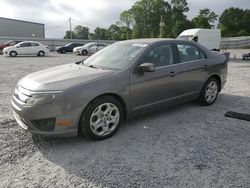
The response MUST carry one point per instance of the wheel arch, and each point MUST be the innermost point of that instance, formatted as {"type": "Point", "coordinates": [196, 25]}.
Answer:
{"type": "Point", "coordinates": [86, 50]}
{"type": "Point", "coordinates": [117, 97]}
{"type": "Point", "coordinates": [40, 52]}
{"type": "Point", "coordinates": [13, 51]}
{"type": "Point", "coordinates": [217, 77]}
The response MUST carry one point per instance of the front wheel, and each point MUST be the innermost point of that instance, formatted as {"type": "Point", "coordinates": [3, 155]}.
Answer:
{"type": "Point", "coordinates": [84, 52]}
{"type": "Point", "coordinates": [101, 118]}
{"type": "Point", "coordinates": [209, 92]}
{"type": "Point", "coordinates": [13, 54]}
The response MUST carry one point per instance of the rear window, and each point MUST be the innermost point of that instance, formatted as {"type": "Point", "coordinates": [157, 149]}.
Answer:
{"type": "Point", "coordinates": [188, 52]}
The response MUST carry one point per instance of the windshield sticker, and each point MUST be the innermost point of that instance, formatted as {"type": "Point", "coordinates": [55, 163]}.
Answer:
{"type": "Point", "coordinates": [140, 45]}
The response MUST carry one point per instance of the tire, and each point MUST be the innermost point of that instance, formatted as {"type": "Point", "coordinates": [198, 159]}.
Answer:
{"type": "Point", "coordinates": [13, 54]}
{"type": "Point", "coordinates": [209, 92]}
{"type": "Point", "coordinates": [97, 117]}
{"type": "Point", "coordinates": [41, 53]}
{"type": "Point", "coordinates": [84, 52]}
{"type": "Point", "coordinates": [63, 52]}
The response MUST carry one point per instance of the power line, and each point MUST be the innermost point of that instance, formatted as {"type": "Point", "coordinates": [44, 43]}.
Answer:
{"type": "Point", "coordinates": [84, 22]}
{"type": "Point", "coordinates": [55, 27]}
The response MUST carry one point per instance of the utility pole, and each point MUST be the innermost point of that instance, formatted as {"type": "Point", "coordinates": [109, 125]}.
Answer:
{"type": "Point", "coordinates": [161, 27]}
{"type": "Point", "coordinates": [70, 28]}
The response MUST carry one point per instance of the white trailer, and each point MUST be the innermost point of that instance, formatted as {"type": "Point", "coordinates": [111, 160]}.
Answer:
{"type": "Point", "coordinates": [210, 38]}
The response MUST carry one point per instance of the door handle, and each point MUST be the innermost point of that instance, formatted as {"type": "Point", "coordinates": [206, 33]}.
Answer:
{"type": "Point", "coordinates": [205, 67]}
{"type": "Point", "coordinates": [172, 74]}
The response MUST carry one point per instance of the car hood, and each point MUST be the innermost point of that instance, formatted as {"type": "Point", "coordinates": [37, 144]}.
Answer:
{"type": "Point", "coordinates": [61, 77]}
{"type": "Point", "coordinates": [9, 48]}
{"type": "Point", "coordinates": [3, 45]}
{"type": "Point", "coordinates": [78, 48]}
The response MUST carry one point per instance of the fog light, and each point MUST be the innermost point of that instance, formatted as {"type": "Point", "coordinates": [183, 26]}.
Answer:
{"type": "Point", "coordinates": [44, 124]}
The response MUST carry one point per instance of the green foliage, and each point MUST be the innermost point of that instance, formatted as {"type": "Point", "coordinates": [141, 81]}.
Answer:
{"type": "Point", "coordinates": [180, 5]}
{"type": "Point", "coordinates": [159, 18]}
{"type": "Point", "coordinates": [81, 32]}
{"type": "Point", "coordinates": [205, 19]}
{"type": "Point", "coordinates": [67, 35]}
{"type": "Point", "coordinates": [235, 22]}
{"type": "Point", "coordinates": [101, 34]}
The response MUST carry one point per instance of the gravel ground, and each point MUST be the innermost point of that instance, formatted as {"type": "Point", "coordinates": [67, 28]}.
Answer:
{"type": "Point", "coordinates": [185, 146]}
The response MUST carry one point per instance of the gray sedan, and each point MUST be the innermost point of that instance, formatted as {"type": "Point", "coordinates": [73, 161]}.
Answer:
{"type": "Point", "coordinates": [93, 96]}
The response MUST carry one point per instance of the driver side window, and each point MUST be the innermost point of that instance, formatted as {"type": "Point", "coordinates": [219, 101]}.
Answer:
{"type": "Point", "coordinates": [25, 45]}
{"type": "Point", "coordinates": [160, 56]}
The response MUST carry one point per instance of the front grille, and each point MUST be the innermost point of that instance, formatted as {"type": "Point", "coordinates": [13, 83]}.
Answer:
{"type": "Point", "coordinates": [22, 94]}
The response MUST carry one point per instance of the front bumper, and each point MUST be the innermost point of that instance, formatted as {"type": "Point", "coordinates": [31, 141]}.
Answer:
{"type": "Point", "coordinates": [77, 52]}
{"type": "Point", "coordinates": [25, 116]}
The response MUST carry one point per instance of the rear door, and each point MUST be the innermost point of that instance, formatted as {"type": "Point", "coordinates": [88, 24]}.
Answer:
{"type": "Point", "coordinates": [35, 48]}
{"type": "Point", "coordinates": [190, 69]}
{"type": "Point", "coordinates": [100, 46]}
{"type": "Point", "coordinates": [93, 48]}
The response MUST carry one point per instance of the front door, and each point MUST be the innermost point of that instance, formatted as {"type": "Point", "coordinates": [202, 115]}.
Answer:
{"type": "Point", "coordinates": [24, 48]}
{"type": "Point", "coordinates": [152, 88]}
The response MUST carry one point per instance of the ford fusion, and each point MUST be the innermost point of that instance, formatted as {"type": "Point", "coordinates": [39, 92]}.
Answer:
{"type": "Point", "coordinates": [93, 96]}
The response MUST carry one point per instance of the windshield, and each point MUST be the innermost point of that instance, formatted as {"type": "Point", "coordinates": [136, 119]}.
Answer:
{"type": "Point", "coordinates": [185, 37]}
{"type": "Point", "coordinates": [116, 56]}
{"type": "Point", "coordinates": [68, 44]}
{"type": "Point", "coordinates": [89, 44]}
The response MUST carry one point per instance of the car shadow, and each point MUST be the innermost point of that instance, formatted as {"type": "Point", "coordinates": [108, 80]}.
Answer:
{"type": "Point", "coordinates": [158, 147]}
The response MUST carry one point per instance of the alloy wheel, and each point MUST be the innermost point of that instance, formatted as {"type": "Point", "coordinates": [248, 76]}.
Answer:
{"type": "Point", "coordinates": [211, 92]}
{"type": "Point", "coordinates": [104, 119]}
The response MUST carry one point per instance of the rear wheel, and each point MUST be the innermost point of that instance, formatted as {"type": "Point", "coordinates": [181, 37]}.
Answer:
{"type": "Point", "coordinates": [209, 92]}
{"type": "Point", "coordinates": [13, 54]}
{"type": "Point", "coordinates": [41, 53]}
{"type": "Point", "coordinates": [84, 52]}
{"type": "Point", "coordinates": [101, 118]}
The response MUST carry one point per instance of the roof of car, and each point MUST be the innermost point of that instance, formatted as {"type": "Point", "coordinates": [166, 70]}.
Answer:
{"type": "Point", "coordinates": [153, 40]}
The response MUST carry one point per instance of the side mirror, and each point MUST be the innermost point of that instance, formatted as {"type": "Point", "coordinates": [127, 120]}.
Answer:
{"type": "Point", "coordinates": [146, 67]}
{"type": "Point", "coordinates": [18, 46]}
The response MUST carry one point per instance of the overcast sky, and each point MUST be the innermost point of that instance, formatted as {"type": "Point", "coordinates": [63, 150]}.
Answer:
{"type": "Point", "coordinates": [91, 13]}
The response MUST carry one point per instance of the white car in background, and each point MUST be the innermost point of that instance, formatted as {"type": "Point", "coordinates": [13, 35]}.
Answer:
{"type": "Point", "coordinates": [89, 48]}
{"type": "Point", "coordinates": [26, 48]}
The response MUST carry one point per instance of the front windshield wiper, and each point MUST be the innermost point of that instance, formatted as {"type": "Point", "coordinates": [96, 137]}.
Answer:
{"type": "Point", "coordinates": [92, 66]}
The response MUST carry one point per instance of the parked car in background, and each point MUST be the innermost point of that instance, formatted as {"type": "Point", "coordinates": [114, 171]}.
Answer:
{"type": "Point", "coordinates": [26, 48]}
{"type": "Point", "coordinates": [68, 47]}
{"type": "Point", "coordinates": [210, 38]}
{"type": "Point", "coordinates": [245, 56]}
{"type": "Point", "coordinates": [9, 43]}
{"type": "Point", "coordinates": [91, 97]}
{"type": "Point", "coordinates": [89, 48]}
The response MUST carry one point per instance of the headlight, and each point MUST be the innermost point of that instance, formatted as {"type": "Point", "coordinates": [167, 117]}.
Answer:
{"type": "Point", "coordinates": [41, 99]}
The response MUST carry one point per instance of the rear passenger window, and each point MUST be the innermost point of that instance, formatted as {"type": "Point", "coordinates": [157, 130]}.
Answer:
{"type": "Point", "coordinates": [34, 44]}
{"type": "Point", "coordinates": [160, 56]}
{"type": "Point", "coordinates": [189, 52]}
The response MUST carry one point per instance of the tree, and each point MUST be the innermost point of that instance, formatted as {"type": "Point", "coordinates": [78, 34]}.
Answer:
{"type": "Point", "coordinates": [205, 19]}
{"type": "Point", "coordinates": [144, 17]}
{"type": "Point", "coordinates": [68, 36]}
{"type": "Point", "coordinates": [180, 5]}
{"type": "Point", "coordinates": [126, 19]}
{"type": "Point", "coordinates": [81, 32]}
{"type": "Point", "coordinates": [101, 34]}
{"type": "Point", "coordinates": [235, 22]}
